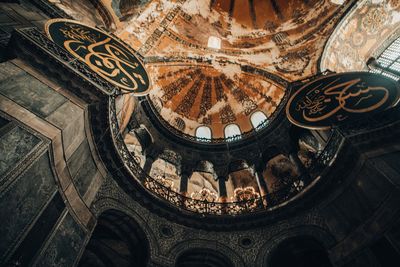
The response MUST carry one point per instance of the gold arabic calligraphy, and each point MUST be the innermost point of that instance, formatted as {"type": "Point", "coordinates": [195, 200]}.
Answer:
{"type": "Point", "coordinates": [106, 57]}
{"type": "Point", "coordinates": [349, 96]}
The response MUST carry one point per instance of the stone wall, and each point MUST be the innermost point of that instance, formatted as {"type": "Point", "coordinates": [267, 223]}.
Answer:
{"type": "Point", "coordinates": [48, 173]}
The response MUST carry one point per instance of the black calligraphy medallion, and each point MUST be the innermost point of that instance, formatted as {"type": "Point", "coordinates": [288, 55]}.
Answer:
{"type": "Point", "coordinates": [332, 99]}
{"type": "Point", "coordinates": [104, 54]}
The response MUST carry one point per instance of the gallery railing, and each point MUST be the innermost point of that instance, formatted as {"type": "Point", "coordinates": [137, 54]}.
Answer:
{"type": "Point", "coordinates": [290, 189]}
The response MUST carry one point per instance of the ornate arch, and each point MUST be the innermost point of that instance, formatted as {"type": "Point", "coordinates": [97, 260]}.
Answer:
{"type": "Point", "coordinates": [102, 205]}
{"type": "Point", "coordinates": [316, 232]}
{"type": "Point", "coordinates": [188, 245]}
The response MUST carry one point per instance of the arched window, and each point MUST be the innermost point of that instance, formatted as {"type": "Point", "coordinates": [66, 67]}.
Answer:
{"type": "Point", "coordinates": [203, 133]}
{"type": "Point", "coordinates": [388, 63]}
{"type": "Point", "coordinates": [337, 2]}
{"type": "Point", "coordinates": [214, 42]}
{"type": "Point", "coordinates": [232, 132]}
{"type": "Point", "coordinates": [258, 119]}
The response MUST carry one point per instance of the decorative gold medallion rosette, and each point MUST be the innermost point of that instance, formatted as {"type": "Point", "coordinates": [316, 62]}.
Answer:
{"type": "Point", "coordinates": [110, 58]}
{"type": "Point", "coordinates": [332, 99]}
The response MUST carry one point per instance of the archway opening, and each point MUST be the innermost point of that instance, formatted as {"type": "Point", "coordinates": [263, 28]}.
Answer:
{"type": "Point", "coordinates": [202, 258]}
{"type": "Point", "coordinates": [300, 252]}
{"type": "Point", "coordinates": [117, 240]}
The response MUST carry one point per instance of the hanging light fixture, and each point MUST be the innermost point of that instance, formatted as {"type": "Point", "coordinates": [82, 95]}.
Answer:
{"type": "Point", "coordinates": [244, 194]}
{"type": "Point", "coordinates": [204, 194]}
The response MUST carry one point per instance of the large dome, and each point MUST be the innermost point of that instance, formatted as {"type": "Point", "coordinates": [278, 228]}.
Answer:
{"type": "Point", "coordinates": [101, 166]}
{"type": "Point", "coordinates": [211, 137]}
{"type": "Point", "coordinates": [215, 63]}
{"type": "Point", "coordinates": [206, 57]}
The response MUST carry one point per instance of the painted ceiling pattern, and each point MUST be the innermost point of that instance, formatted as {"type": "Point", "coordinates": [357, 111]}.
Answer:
{"type": "Point", "coordinates": [194, 84]}
{"type": "Point", "coordinates": [204, 95]}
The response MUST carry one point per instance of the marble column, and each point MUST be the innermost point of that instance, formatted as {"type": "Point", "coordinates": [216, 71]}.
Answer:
{"type": "Point", "coordinates": [183, 187]}
{"type": "Point", "coordinates": [147, 165]}
{"type": "Point", "coordinates": [262, 186]}
{"type": "Point", "coordinates": [300, 167]}
{"type": "Point", "coordinates": [222, 187]}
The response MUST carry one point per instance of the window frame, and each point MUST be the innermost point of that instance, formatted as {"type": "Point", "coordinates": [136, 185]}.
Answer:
{"type": "Point", "coordinates": [203, 139]}
{"type": "Point", "coordinates": [235, 137]}
{"type": "Point", "coordinates": [261, 124]}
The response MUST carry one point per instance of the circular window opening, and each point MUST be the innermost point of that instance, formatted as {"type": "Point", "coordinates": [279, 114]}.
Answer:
{"type": "Point", "coordinates": [246, 242]}
{"type": "Point", "coordinates": [166, 231]}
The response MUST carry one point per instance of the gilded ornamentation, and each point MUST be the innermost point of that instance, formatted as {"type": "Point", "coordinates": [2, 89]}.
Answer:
{"type": "Point", "coordinates": [166, 182]}
{"type": "Point", "coordinates": [207, 120]}
{"type": "Point", "coordinates": [294, 62]}
{"type": "Point", "coordinates": [247, 195]}
{"type": "Point", "coordinates": [346, 50]}
{"type": "Point", "coordinates": [334, 98]}
{"type": "Point", "coordinates": [206, 98]}
{"type": "Point", "coordinates": [187, 102]}
{"type": "Point", "coordinates": [358, 39]}
{"type": "Point", "coordinates": [175, 87]}
{"type": "Point", "coordinates": [248, 105]}
{"type": "Point", "coordinates": [103, 53]}
{"type": "Point", "coordinates": [395, 3]}
{"type": "Point", "coordinates": [219, 89]}
{"type": "Point", "coordinates": [180, 124]}
{"type": "Point", "coordinates": [227, 115]}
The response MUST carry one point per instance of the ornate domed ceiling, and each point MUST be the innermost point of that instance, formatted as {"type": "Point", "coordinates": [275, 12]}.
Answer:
{"type": "Point", "coordinates": [215, 62]}
{"type": "Point", "coordinates": [191, 95]}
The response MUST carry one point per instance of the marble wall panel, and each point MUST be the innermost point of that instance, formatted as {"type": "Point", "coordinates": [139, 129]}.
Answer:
{"type": "Point", "coordinates": [85, 176]}
{"type": "Point", "coordinates": [3, 122]}
{"type": "Point", "coordinates": [23, 200]}
{"type": "Point", "coordinates": [82, 167]}
{"type": "Point", "coordinates": [8, 69]}
{"type": "Point", "coordinates": [77, 159]}
{"type": "Point", "coordinates": [28, 92]}
{"type": "Point", "coordinates": [33, 241]}
{"type": "Point", "coordinates": [392, 160]}
{"type": "Point", "coordinates": [64, 246]}
{"type": "Point", "coordinates": [70, 118]}
{"type": "Point", "coordinates": [14, 146]}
